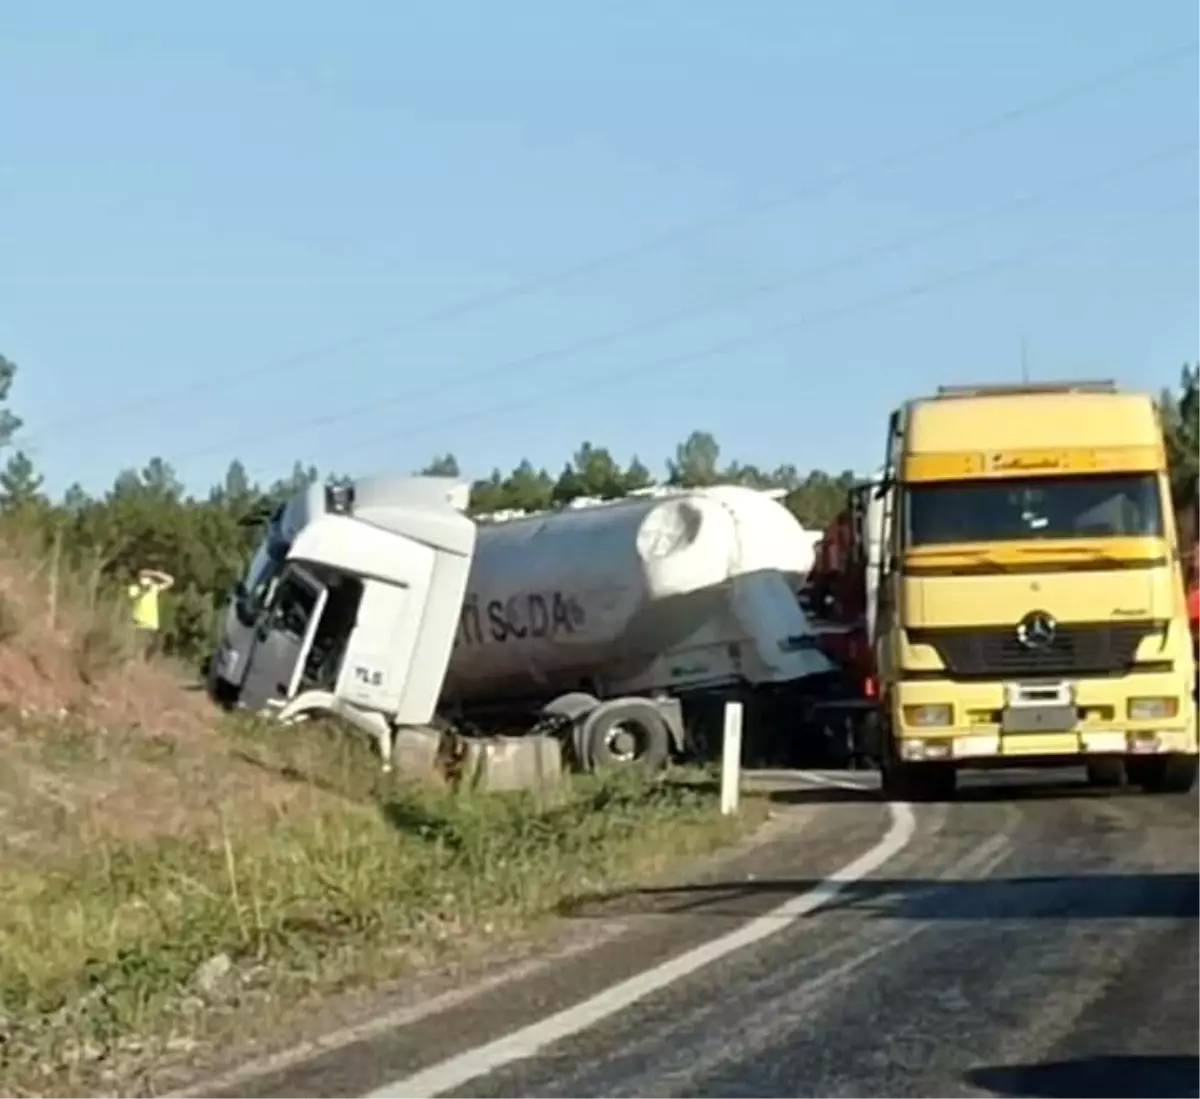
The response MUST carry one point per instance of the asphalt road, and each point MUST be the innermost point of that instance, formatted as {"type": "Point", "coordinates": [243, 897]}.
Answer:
{"type": "Point", "coordinates": [1033, 938]}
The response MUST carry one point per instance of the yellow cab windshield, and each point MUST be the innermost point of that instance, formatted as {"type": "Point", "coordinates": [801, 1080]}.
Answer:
{"type": "Point", "coordinates": [1031, 510]}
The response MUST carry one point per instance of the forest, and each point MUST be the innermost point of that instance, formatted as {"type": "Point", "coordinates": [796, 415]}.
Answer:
{"type": "Point", "coordinates": [146, 519]}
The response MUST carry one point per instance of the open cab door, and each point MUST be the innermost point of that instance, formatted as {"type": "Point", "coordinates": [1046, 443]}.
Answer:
{"type": "Point", "coordinates": [283, 639]}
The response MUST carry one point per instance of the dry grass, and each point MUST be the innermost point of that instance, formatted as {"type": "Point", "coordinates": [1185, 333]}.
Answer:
{"type": "Point", "coordinates": [99, 743]}
{"type": "Point", "coordinates": [66, 648]}
{"type": "Point", "coordinates": [170, 876]}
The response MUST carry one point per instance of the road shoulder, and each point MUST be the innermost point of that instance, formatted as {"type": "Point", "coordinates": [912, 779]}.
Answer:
{"type": "Point", "coordinates": [350, 1046]}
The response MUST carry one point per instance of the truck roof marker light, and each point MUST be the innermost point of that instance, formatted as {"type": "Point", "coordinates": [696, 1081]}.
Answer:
{"type": "Point", "coordinates": [339, 499]}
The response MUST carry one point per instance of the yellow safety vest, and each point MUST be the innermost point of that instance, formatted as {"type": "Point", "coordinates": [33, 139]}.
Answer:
{"type": "Point", "coordinates": [145, 606]}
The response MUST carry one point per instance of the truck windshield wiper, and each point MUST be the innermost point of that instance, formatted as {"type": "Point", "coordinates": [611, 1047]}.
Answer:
{"type": "Point", "coordinates": [967, 559]}
{"type": "Point", "coordinates": [1079, 552]}
{"type": "Point", "coordinates": [987, 561]}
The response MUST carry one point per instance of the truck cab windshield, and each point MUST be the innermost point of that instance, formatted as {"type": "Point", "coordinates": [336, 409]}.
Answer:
{"type": "Point", "coordinates": [1037, 508]}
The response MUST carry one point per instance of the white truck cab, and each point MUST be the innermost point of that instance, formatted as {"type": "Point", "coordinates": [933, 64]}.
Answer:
{"type": "Point", "coordinates": [350, 604]}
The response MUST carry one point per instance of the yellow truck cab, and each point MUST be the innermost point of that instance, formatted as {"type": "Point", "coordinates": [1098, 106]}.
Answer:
{"type": "Point", "coordinates": [1031, 597]}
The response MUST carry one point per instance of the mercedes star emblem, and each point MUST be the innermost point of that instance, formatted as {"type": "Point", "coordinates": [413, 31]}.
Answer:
{"type": "Point", "coordinates": [1036, 630]}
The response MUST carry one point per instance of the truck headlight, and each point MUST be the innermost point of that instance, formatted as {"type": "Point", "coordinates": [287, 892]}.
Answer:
{"type": "Point", "coordinates": [1152, 709]}
{"type": "Point", "coordinates": [927, 716]}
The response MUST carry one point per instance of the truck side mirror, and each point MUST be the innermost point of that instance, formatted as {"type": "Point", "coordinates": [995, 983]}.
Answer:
{"type": "Point", "coordinates": [241, 604]}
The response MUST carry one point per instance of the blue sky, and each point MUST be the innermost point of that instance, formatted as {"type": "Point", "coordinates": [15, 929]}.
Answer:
{"type": "Point", "coordinates": [236, 217]}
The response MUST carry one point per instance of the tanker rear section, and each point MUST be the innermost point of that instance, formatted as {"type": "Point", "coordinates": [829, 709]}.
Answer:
{"type": "Point", "coordinates": [638, 620]}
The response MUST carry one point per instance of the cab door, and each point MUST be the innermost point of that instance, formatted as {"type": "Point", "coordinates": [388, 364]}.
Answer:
{"type": "Point", "coordinates": [227, 669]}
{"type": "Point", "coordinates": [283, 638]}
{"type": "Point", "coordinates": [243, 616]}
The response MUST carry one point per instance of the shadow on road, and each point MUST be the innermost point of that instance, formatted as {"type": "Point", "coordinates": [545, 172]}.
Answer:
{"type": "Point", "coordinates": [792, 788]}
{"type": "Point", "coordinates": [974, 787]}
{"type": "Point", "coordinates": [1066, 897]}
{"type": "Point", "coordinates": [982, 787]}
{"type": "Point", "coordinates": [816, 795]}
{"type": "Point", "coordinates": [968, 793]}
{"type": "Point", "coordinates": [1167, 1076]}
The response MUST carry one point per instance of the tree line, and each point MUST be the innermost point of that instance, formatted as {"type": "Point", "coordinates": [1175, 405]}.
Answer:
{"type": "Point", "coordinates": [147, 519]}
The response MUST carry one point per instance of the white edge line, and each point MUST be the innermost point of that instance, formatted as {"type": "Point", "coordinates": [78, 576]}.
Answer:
{"type": "Point", "coordinates": [528, 1041]}
{"type": "Point", "coordinates": [407, 1014]}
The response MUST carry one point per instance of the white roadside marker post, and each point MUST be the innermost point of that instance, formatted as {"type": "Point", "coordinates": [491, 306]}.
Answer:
{"type": "Point", "coordinates": [731, 758]}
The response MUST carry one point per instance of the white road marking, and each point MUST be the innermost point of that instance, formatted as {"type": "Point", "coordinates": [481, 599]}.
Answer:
{"type": "Point", "coordinates": [409, 1013]}
{"type": "Point", "coordinates": [528, 1041]}
{"type": "Point", "coordinates": [402, 1016]}
{"type": "Point", "coordinates": [744, 1033]}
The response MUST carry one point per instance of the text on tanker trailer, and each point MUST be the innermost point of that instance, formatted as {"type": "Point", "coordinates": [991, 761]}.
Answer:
{"type": "Point", "coordinates": [622, 627]}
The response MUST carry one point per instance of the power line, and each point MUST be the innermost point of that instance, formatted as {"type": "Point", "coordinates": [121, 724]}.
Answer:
{"type": "Point", "coordinates": [928, 286]}
{"type": "Point", "coordinates": [759, 290]}
{"type": "Point", "coordinates": [591, 266]}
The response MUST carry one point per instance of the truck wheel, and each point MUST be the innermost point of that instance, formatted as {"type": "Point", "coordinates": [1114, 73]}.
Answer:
{"type": "Point", "coordinates": [918, 781]}
{"type": "Point", "coordinates": [626, 733]}
{"type": "Point", "coordinates": [571, 706]}
{"type": "Point", "coordinates": [1106, 773]}
{"type": "Point", "coordinates": [1174, 774]}
{"type": "Point", "coordinates": [563, 716]}
{"type": "Point", "coordinates": [868, 745]}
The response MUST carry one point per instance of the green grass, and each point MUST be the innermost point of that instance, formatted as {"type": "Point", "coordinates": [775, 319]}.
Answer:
{"type": "Point", "coordinates": [359, 880]}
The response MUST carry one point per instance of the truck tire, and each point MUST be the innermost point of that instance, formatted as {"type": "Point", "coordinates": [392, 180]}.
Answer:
{"type": "Point", "coordinates": [1174, 774]}
{"type": "Point", "coordinates": [1107, 774]}
{"type": "Point", "coordinates": [626, 732]}
{"type": "Point", "coordinates": [918, 781]}
{"type": "Point", "coordinates": [571, 706]}
{"type": "Point", "coordinates": [869, 741]}
{"type": "Point", "coordinates": [563, 717]}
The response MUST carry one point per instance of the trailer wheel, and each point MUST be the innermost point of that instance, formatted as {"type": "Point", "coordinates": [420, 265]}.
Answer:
{"type": "Point", "coordinates": [565, 717]}
{"type": "Point", "coordinates": [571, 706]}
{"type": "Point", "coordinates": [626, 732]}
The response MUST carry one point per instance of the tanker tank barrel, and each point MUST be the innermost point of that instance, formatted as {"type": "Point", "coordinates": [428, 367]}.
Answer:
{"type": "Point", "coordinates": [601, 593]}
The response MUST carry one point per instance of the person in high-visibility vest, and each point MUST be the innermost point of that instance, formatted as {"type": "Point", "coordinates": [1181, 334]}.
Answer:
{"type": "Point", "coordinates": [143, 597]}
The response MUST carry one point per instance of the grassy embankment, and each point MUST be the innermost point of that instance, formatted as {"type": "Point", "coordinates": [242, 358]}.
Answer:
{"type": "Point", "coordinates": [172, 878]}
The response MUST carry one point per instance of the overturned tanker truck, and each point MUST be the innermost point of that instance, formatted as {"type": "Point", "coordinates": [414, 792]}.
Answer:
{"type": "Point", "coordinates": [622, 627]}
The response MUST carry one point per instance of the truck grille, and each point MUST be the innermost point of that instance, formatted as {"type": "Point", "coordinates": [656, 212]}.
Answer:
{"type": "Point", "coordinates": [1080, 648]}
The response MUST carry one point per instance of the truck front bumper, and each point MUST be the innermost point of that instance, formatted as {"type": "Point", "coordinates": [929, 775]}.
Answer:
{"type": "Point", "coordinates": [977, 747]}
{"type": "Point", "coordinates": [1102, 724]}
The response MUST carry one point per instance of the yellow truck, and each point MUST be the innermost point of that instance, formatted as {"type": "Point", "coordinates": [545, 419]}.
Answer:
{"type": "Point", "coordinates": [1030, 606]}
